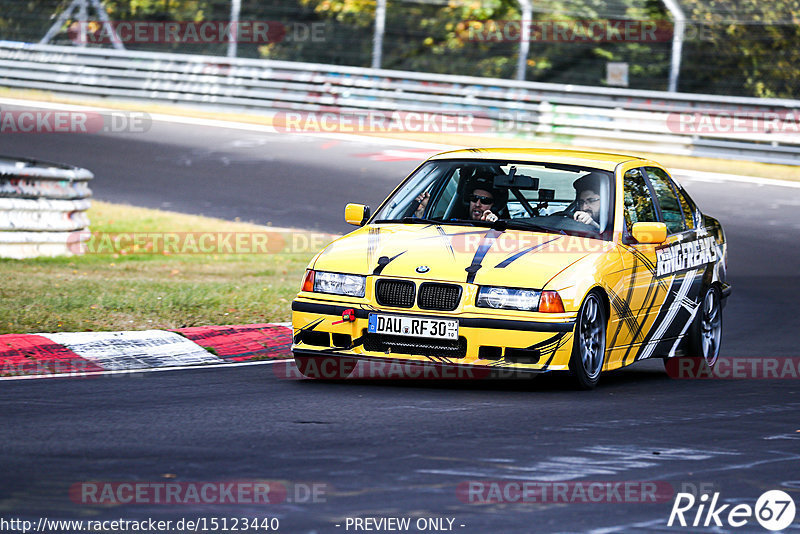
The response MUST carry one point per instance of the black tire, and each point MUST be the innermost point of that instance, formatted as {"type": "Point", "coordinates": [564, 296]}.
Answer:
{"type": "Point", "coordinates": [589, 345]}
{"type": "Point", "coordinates": [705, 334]}
{"type": "Point", "coordinates": [325, 367]}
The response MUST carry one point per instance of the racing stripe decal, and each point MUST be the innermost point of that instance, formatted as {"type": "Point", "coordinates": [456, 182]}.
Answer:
{"type": "Point", "coordinates": [646, 314]}
{"type": "Point", "coordinates": [692, 314]}
{"type": "Point", "coordinates": [443, 233]}
{"type": "Point", "coordinates": [551, 345]}
{"type": "Point", "coordinates": [373, 239]}
{"type": "Point", "coordinates": [310, 326]}
{"type": "Point", "coordinates": [446, 241]}
{"type": "Point", "coordinates": [357, 342]}
{"type": "Point", "coordinates": [625, 313]}
{"type": "Point", "coordinates": [679, 301]}
{"type": "Point", "coordinates": [383, 261]}
{"type": "Point", "coordinates": [456, 234]}
{"type": "Point", "coordinates": [506, 262]}
{"type": "Point", "coordinates": [647, 263]}
{"type": "Point", "coordinates": [439, 359]}
{"type": "Point", "coordinates": [628, 299]}
{"type": "Point", "coordinates": [483, 249]}
{"type": "Point", "coordinates": [652, 297]}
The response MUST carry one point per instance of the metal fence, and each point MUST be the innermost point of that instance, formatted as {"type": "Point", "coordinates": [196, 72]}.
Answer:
{"type": "Point", "coordinates": [417, 35]}
{"type": "Point", "coordinates": [765, 130]}
{"type": "Point", "coordinates": [698, 46]}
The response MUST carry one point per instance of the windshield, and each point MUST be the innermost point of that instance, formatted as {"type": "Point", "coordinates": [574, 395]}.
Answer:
{"type": "Point", "coordinates": [539, 196]}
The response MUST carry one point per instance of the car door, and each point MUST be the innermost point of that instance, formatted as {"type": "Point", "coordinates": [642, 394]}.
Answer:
{"type": "Point", "coordinates": [639, 294]}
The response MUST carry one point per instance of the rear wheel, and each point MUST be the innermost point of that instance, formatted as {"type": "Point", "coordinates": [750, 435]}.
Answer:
{"type": "Point", "coordinates": [589, 345]}
{"type": "Point", "coordinates": [706, 332]}
{"type": "Point", "coordinates": [325, 367]}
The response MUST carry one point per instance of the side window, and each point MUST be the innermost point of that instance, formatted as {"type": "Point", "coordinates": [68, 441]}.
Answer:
{"type": "Point", "coordinates": [638, 203]}
{"type": "Point", "coordinates": [671, 211]}
{"type": "Point", "coordinates": [686, 206]}
{"type": "Point", "coordinates": [447, 197]}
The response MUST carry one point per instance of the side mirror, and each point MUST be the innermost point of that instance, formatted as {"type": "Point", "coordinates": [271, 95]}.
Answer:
{"type": "Point", "coordinates": [651, 233]}
{"type": "Point", "coordinates": [356, 214]}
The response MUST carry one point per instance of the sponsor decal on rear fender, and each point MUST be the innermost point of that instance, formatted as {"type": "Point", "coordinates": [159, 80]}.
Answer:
{"type": "Point", "coordinates": [686, 255]}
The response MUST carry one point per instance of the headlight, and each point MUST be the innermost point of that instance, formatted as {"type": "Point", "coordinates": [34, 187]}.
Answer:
{"type": "Point", "coordinates": [508, 298]}
{"type": "Point", "coordinates": [351, 285]}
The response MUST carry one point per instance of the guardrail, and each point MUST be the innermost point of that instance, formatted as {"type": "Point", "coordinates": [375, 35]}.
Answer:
{"type": "Point", "coordinates": [765, 130]}
{"type": "Point", "coordinates": [42, 207]}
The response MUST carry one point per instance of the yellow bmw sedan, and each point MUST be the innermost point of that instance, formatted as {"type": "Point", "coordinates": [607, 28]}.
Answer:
{"type": "Point", "coordinates": [519, 260]}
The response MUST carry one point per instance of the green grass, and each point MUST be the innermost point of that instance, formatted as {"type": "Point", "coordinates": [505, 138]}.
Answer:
{"type": "Point", "coordinates": [127, 290]}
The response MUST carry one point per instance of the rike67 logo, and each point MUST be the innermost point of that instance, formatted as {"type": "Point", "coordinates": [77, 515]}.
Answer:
{"type": "Point", "coordinates": [774, 510]}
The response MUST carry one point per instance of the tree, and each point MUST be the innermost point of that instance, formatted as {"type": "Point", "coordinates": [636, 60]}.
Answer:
{"type": "Point", "coordinates": [747, 48]}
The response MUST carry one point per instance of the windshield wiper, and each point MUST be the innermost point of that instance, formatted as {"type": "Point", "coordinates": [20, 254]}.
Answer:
{"type": "Point", "coordinates": [419, 220]}
{"type": "Point", "coordinates": [499, 224]}
{"type": "Point", "coordinates": [524, 225]}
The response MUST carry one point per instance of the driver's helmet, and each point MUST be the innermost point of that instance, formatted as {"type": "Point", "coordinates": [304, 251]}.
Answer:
{"type": "Point", "coordinates": [483, 178]}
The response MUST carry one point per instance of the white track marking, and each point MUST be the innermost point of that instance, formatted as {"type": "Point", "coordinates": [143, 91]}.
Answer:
{"type": "Point", "coordinates": [714, 177]}
{"type": "Point", "coordinates": [232, 125]}
{"type": "Point", "coordinates": [701, 176]}
{"type": "Point", "coordinates": [121, 351]}
{"type": "Point", "coordinates": [224, 365]}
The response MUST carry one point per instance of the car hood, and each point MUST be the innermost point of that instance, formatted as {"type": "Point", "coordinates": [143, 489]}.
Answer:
{"type": "Point", "coordinates": [458, 254]}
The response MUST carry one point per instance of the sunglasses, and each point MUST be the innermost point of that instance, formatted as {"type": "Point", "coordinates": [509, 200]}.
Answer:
{"type": "Point", "coordinates": [481, 199]}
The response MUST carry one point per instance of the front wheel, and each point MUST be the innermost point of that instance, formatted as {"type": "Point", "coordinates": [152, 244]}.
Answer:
{"type": "Point", "coordinates": [589, 345]}
{"type": "Point", "coordinates": [706, 331]}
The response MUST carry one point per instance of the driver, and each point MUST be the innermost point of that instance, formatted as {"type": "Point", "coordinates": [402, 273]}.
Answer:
{"type": "Point", "coordinates": [484, 201]}
{"type": "Point", "coordinates": [587, 191]}
{"type": "Point", "coordinates": [481, 201]}
{"type": "Point", "coordinates": [482, 197]}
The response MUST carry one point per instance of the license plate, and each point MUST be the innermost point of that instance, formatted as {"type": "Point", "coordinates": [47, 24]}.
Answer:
{"type": "Point", "coordinates": [401, 325]}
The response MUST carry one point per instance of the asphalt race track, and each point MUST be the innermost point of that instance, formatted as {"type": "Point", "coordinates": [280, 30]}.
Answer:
{"type": "Point", "coordinates": [384, 449]}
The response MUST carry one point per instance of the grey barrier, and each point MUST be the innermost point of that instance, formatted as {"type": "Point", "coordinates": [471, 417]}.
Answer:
{"type": "Point", "coordinates": [766, 130]}
{"type": "Point", "coordinates": [42, 207]}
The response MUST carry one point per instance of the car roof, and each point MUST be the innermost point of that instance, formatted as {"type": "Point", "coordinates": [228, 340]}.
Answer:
{"type": "Point", "coordinates": [598, 160]}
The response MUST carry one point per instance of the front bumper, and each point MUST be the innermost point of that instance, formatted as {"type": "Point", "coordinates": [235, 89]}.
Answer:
{"type": "Point", "coordinates": [534, 344]}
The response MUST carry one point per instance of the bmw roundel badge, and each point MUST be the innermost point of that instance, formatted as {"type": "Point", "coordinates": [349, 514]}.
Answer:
{"type": "Point", "coordinates": [422, 269]}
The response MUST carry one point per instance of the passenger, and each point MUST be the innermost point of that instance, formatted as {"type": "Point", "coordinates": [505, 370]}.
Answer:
{"type": "Point", "coordinates": [588, 200]}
